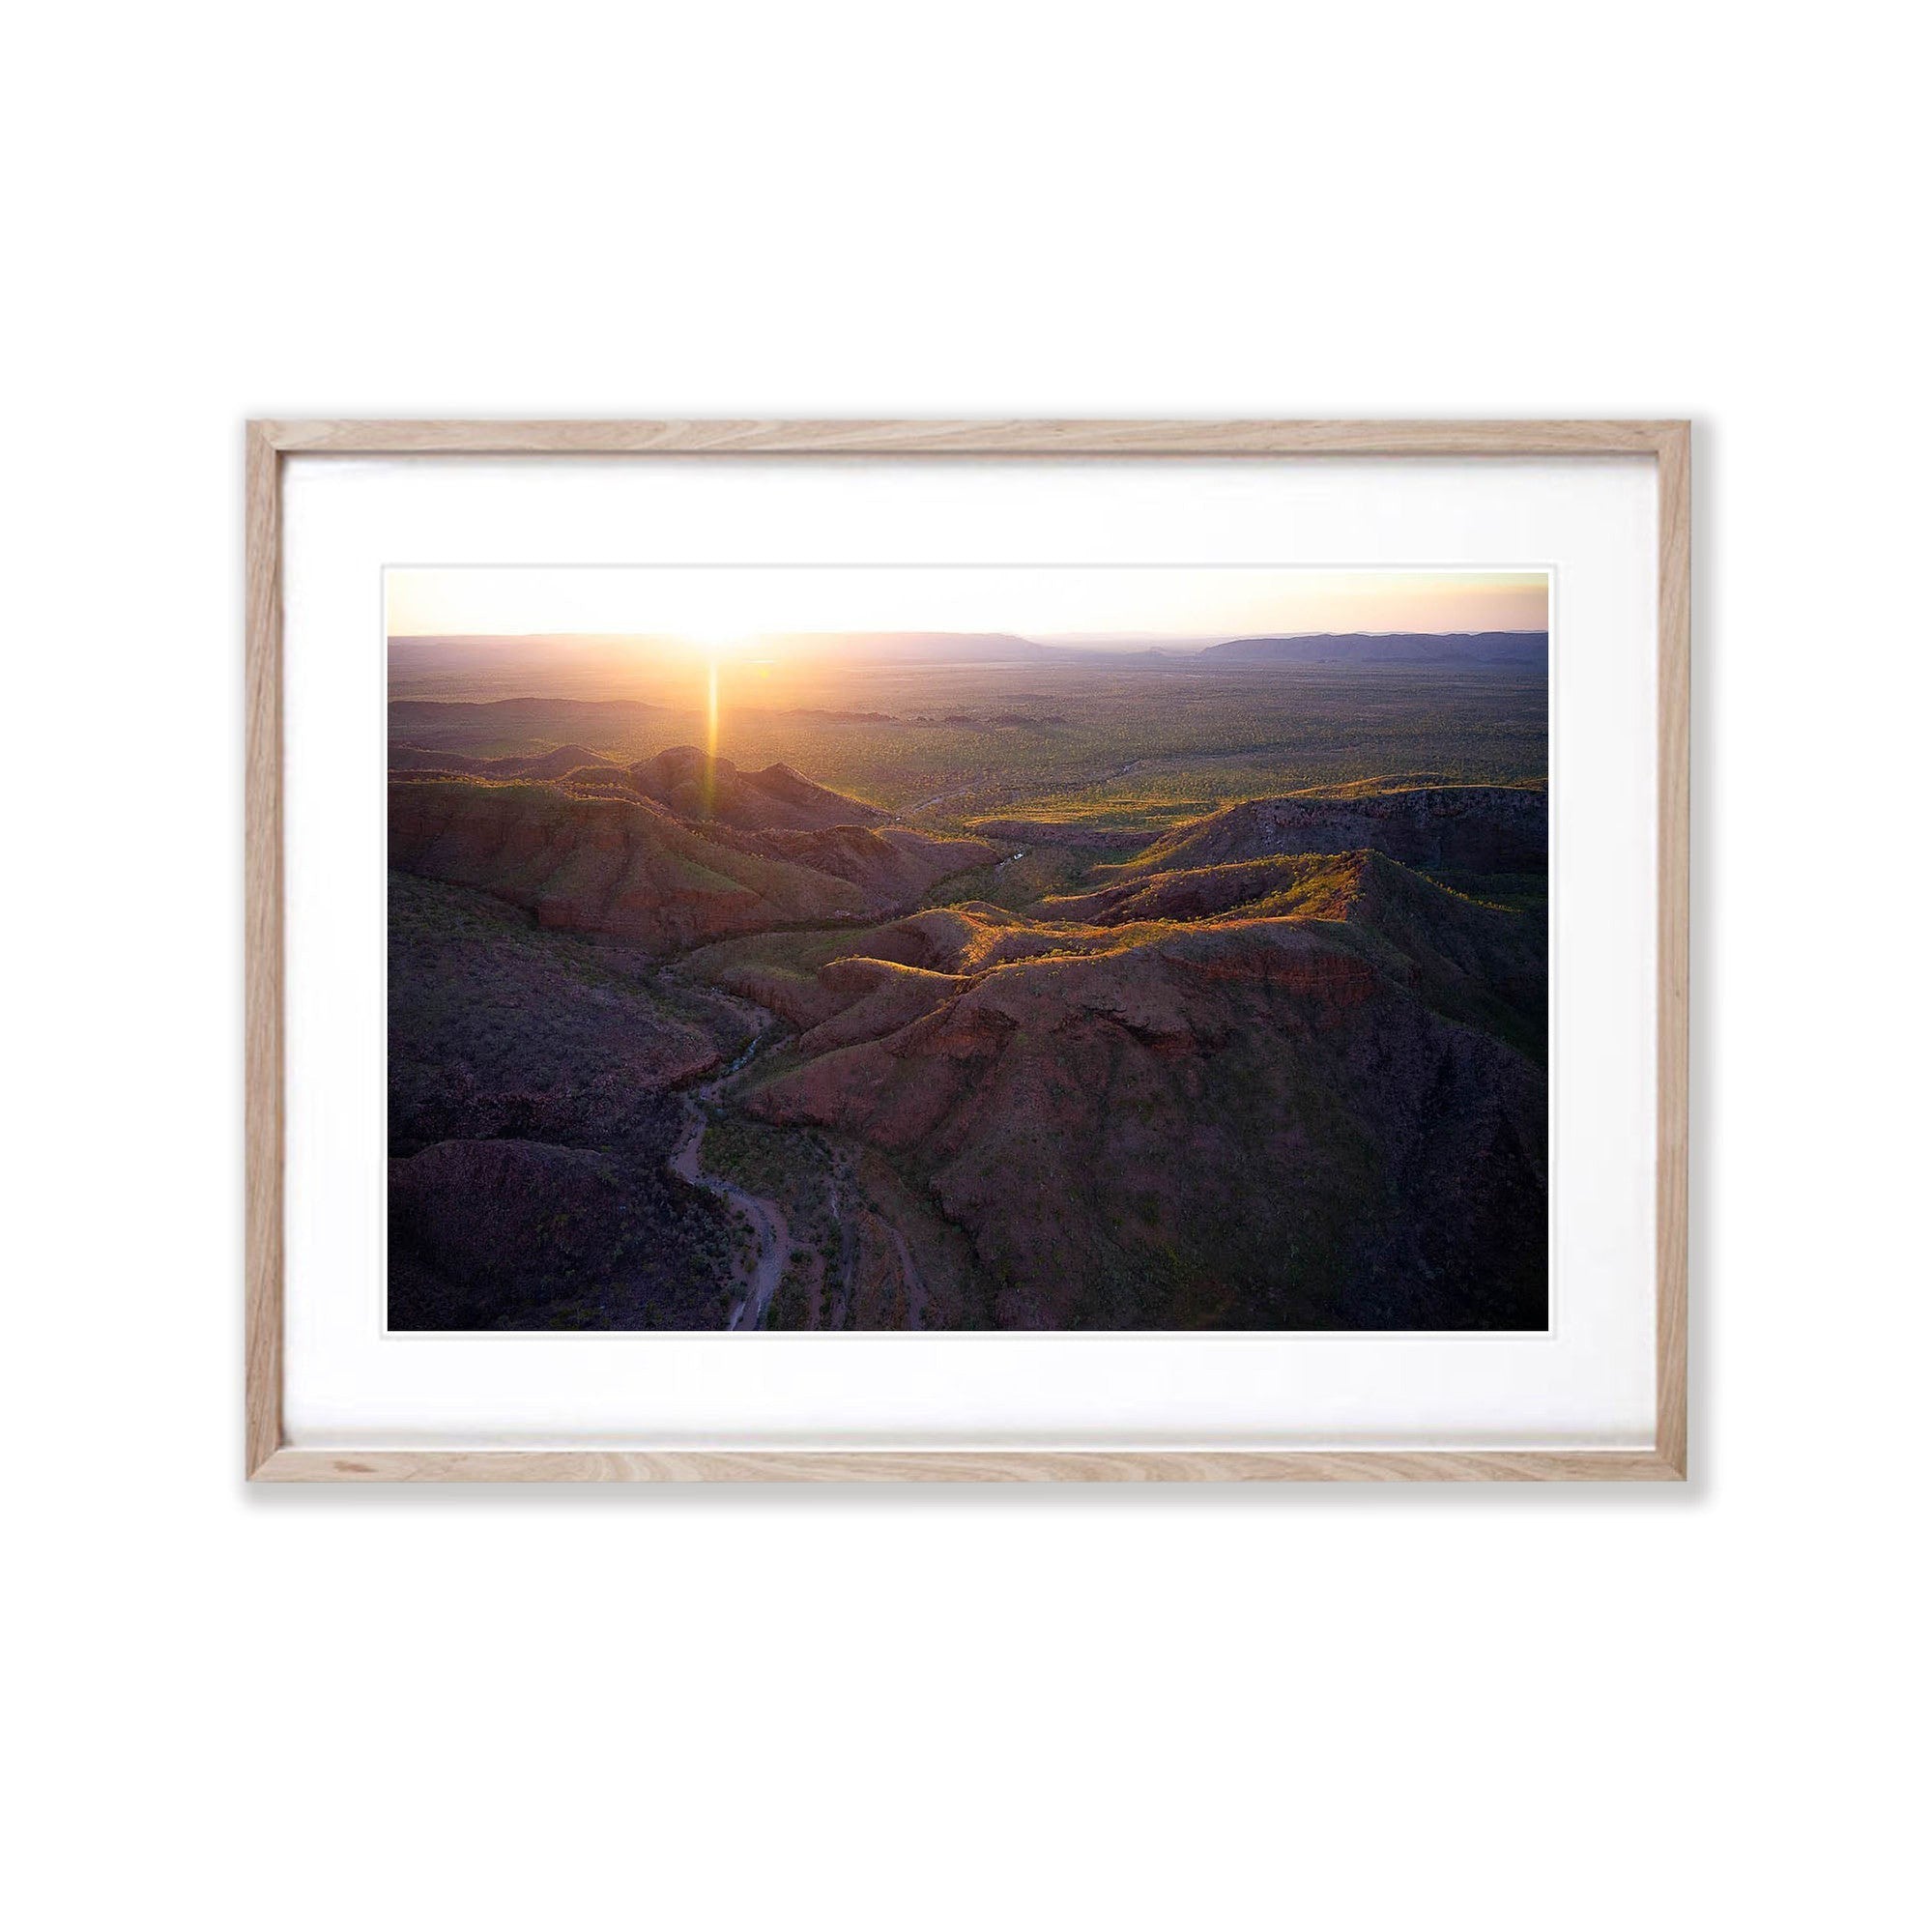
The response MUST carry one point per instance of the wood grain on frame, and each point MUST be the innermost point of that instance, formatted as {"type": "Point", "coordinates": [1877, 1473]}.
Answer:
{"type": "Point", "coordinates": [1074, 438]}
{"type": "Point", "coordinates": [963, 1466]}
{"type": "Point", "coordinates": [268, 1459]}
{"type": "Point", "coordinates": [1673, 945]}
{"type": "Point", "coordinates": [263, 995]}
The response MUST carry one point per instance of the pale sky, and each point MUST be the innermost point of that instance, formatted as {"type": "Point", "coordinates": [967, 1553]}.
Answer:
{"type": "Point", "coordinates": [715, 607]}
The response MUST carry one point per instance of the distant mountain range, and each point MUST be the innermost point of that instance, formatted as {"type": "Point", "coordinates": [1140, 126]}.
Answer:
{"type": "Point", "coordinates": [909, 647]}
{"type": "Point", "coordinates": [1527, 649]}
{"type": "Point", "coordinates": [417, 658]}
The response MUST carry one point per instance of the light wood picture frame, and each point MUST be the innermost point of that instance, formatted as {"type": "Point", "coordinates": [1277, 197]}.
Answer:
{"type": "Point", "coordinates": [269, 1455]}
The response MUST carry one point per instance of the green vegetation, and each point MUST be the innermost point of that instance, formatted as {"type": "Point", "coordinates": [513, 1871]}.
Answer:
{"type": "Point", "coordinates": [1514, 891]}
{"type": "Point", "coordinates": [792, 1303]}
{"type": "Point", "coordinates": [792, 1166]}
{"type": "Point", "coordinates": [1140, 745]}
{"type": "Point", "coordinates": [531, 1122]}
{"type": "Point", "coordinates": [1017, 882]}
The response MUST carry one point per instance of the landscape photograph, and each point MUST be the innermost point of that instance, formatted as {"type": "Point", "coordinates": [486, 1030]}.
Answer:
{"type": "Point", "coordinates": [887, 948]}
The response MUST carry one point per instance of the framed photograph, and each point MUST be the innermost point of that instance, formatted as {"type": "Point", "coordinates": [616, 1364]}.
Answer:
{"type": "Point", "coordinates": [953, 951]}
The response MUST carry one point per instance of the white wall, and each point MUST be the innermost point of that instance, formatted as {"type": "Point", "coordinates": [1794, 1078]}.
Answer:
{"type": "Point", "coordinates": [1389, 1708]}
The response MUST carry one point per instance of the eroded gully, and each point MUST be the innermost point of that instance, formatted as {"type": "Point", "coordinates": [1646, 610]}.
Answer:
{"type": "Point", "coordinates": [766, 1217]}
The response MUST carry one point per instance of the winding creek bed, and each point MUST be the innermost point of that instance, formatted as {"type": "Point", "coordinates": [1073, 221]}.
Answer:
{"type": "Point", "coordinates": [766, 1217]}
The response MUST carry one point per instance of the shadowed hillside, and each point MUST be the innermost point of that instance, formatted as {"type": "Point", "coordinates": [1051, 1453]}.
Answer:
{"type": "Point", "coordinates": [1297, 1121]}
{"type": "Point", "coordinates": [627, 867]}
{"type": "Point", "coordinates": [1483, 828]}
{"type": "Point", "coordinates": [777, 798]}
{"type": "Point", "coordinates": [1471, 960]}
{"type": "Point", "coordinates": [558, 764]}
{"type": "Point", "coordinates": [530, 1117]}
